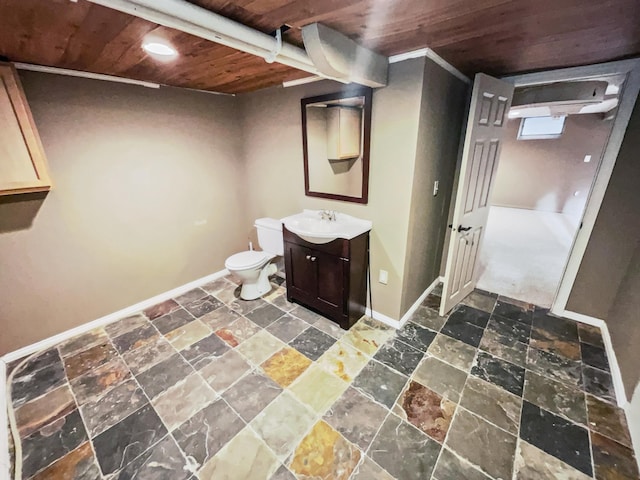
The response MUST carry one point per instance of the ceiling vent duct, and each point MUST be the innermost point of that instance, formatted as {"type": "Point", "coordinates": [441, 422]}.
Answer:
{"type": "Point", "coordinates": [336, 55]}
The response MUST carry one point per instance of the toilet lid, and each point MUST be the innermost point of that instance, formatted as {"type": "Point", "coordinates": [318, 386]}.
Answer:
{"type": "Point", "coordinates": [246, 260]}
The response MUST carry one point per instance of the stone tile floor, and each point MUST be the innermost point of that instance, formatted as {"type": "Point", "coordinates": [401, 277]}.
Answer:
{"type": "Point", "coordinates": [208, 386]}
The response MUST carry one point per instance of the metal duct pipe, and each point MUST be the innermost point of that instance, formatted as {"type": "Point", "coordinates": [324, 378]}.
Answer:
{"type": "Point", "coordinates": [186, 17]}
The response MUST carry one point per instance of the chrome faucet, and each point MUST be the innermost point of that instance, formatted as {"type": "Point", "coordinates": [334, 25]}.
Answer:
{"type": "Point", "coordinates": [329, 215]}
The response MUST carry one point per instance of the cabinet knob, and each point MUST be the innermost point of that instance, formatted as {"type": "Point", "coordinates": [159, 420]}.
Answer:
{"type": "Point", "coordinates": [309, 257]}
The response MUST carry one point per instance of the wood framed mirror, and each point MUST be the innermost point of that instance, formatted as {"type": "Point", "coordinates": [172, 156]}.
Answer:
{"type": "Point", "coordinates": [336, 132]}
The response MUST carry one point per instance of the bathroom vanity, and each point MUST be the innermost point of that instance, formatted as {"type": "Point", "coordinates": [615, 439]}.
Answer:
{"type": "Point", "coordinates": [327, 274]}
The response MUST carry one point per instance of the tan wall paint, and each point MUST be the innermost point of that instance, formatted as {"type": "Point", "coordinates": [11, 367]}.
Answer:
{"type": "Point", "coordinates": [444, 99]}
{"type": "Point", "coordinates": [134, 169]}
{"type": "Point", "coordinates": [544, 174]}
{"type": "Point", "coordinates": [273, 152]}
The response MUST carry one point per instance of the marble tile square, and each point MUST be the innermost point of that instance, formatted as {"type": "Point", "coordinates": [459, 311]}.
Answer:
{"type": "Point", "coordinates": [452, 467]}
{"type": "Point", "coordinates": [229, 293]}
{"type": "Point", "coordinates": [173, 320]}
{"type": "Point", "coordinates": [594, 356]}
{"type": "Point", "coordinates": [513, 352]}
{"type": "Point", "coordinates": [560, 328]}
{"type": "Point", "coordinates": [343, 360]}
{"type": "Point", "coordinates": [416, 336]}
{"type": "Point", "coordinates": [399, 356]}
{"type": "Point", "coordinates": [161, 309]}
{"type": "Point", "coordinates": [509, 330]}
{"type": "Point", "coordinates": [318, 389]}
{"type": "Point", "coordinates": [52, 442]}
{"type": "Point", "coordinates": [245, 457]}
{"type": "Point", "coordinates": [238, 331]}
{"type": "Point", "coordinates": [32, 385]}
{"type": "Point", "coordinates": [481, 301]}
{"type": "Point", "coordinates": [330, 328]}
{"type": "Point", "coordinates": [404, 451]}
{"type": "Point", "coordinates": [495, 454]}
{"type": "Point", "coordinates": [251, 394]}
{"type": "Point", "coordinates": [380, 383]}
{"type": "Point", "coordinates": [282, 303]}
{"type": "Point", "coordinates": [76, 465]}
{"type": "Point", "coordinates": [305, 314]}
{"type": "Point", "coordinates": [535, 464]}
{"type": "Point", "coordinates": [556, 436]}
{"type": "Point", "coordinates": [471, 315]}
{"type": "Point", "coordinates": [608, 420]}
{"type": "Point", "coordinates": [123, 442]}
{"type": "Point", "coordinates": [260, 347]}
{"type": "Point", "coordinates": [204, 351]}
{"type": "Point", "coordinates": [117, 404]}
{"type": "Point", "coordinates": [188, 297]}
{"type": "Point", "coordinates": [556, 397]}
{"type": "Point", "coordinates": [554, 366]}
{"type": "Point", "coordinates": [370, 470]}
{"type": "Point", "coordinates": [218, 285]}
{"type": "Point", "coordinates": [549, 341]}
{"type": "Point", "coordinates": [136, 338]}
{"type": "Point", "coordinates": [324, 453]}
{"type": "Point", "coordinates": [146, 357]}
{"type": "Point", "coordinates": [264, 315]}
{"type": "Point", "coordinates": [452, 351]}
{"type": "Point", "coordinates": [356, 417]}
{"type": "Point", "coordinates": [202, 306]}
{"type": "Point", "coordinates": [220, 318]}
{"type": "Point", "coordinates": [163, 460]}
{"type": "Point", "coordinates": [285, 366]}
{"type": "Point", "coordinates": [164, 375]}
{"type": "Point", "coordinates": [367, 338]}
{"type": "Point", "coordinates": [283, 423]}
{"type": "Point", "coordinates": [180, 402]}
{"type": "Point", "coordinates": [208, 430]}
{"type": "Point", "coordinates": [100, 380]}
{"type": "Point", "coordinates": [43, 410]}
{"type": "Point", "coordinates": [500, 373]}
{"type": "Point", "coordinates": [245, 306]}
{"type": "Point", "coordinates": [125, 325]}
{"type": "Point", "coordinates": [312, 343]}
{"type": "Point", "coordinates": [224, 371]}
{"type": "Point", "coordinates": [590, 334]}
{"type": "Point", "coordinates": [522, 312]}
{"type": "Point", "coordinates": [426, 410]}
{"type": "Point", "coordinates": [432, 301]}
{"type": "Point", "coordinates": [83, 362]}
{"type": "Point", "coordinates": [598, 383]}
{"type": "Point", "coordinates": [492, 403]}
{"type": "Point", "coordinates": [83, 342]}
{"type": "Point", "coordinates": [187, 335]}
{"type": "Point", "coordinates": [613, 461]}
{"type": "Point", "coordinates": [441, 377]}
{"type": "Point", "coordinates": [456, 327]}
{"type": "Point", "coordinates": [429, 318]}
{"type": "Point", "coordinates": [286, 328]}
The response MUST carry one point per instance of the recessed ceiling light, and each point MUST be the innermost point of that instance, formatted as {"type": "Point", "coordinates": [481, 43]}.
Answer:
{"type": "Point", "coordinates": [157, 48]}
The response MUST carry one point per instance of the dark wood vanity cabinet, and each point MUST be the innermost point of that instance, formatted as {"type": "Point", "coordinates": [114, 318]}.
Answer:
{"type": "Point", "coordinates": [330, 278]}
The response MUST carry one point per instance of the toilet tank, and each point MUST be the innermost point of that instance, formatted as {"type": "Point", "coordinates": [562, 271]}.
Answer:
{"type": "Point", "coordinates": [270, 235]}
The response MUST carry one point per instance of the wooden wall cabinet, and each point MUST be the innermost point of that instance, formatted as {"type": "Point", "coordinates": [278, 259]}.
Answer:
{"type": "Point", "coordinates": [330, 278]}
{"type": "Point", "coordinates": [343, 132]}
{"type": "Point", "coordinates": [23, 167]}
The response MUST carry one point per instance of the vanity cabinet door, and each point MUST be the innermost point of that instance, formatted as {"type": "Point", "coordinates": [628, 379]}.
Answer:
{"type": "Point", "coordinates": [331, 283]}
{"type": "Point", "coordinates": [303, 271]}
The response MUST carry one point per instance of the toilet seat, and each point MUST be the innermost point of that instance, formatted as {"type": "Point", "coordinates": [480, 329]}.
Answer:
{"type": "Point", "coordinates": [247, 260]}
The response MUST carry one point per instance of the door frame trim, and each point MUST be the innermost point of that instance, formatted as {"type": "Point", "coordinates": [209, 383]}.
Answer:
{"type": "Point", "coordinates": [626, 104]}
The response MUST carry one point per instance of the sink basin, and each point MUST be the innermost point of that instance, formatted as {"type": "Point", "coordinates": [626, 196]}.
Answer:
{"type": "Point", "coordinates": [310, 226]}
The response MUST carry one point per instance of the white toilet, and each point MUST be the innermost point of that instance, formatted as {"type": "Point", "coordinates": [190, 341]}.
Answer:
{"type": "Point", "coordinates": [252, 267]}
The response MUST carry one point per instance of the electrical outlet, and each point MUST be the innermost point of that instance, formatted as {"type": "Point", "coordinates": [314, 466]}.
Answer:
{"type": "Point", "coordinates": [383, 277]}
{"type": "Point", "coordinates": [436, 186]}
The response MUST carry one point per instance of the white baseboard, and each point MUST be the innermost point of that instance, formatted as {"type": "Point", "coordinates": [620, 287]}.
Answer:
{"type": "Point", "coordinates": [112, 317]}
{"type": "Point", "coordinates": [632, 410]}
{"type": "Point", "coordinates": [405, 318]}
{"type": "Point", "coordinates": [4, 431]}
{"type": "Point", "coordinates": [614, 366]}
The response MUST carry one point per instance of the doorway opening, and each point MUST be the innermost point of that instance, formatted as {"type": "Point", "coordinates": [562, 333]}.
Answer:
{"type": "Point", "coordinates": [552, 148]}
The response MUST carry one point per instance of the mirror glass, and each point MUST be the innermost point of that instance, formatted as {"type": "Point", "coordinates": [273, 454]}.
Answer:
{"type": "Point", "coordinates": [335, 133]}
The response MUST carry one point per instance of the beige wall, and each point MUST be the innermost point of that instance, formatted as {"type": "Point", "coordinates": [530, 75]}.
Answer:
{"type": "Point", "coordinates": [273, 151]}
{"type": "Point", "coordinates": [544, 174]}
{"type": "Point", "coordinates": [145, 199]}
{"type": "Point", "coordinates": [607, 285]}
{"type": "Point", "coordinates": [444, 100]}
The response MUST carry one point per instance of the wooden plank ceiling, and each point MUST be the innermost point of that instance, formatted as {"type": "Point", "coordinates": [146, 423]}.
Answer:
{"type": "Point", "coordinates": [492, 36]}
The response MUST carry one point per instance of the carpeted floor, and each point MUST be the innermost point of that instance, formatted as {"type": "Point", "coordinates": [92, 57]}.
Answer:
{"type": "Point", "coordinates": [525, 252]}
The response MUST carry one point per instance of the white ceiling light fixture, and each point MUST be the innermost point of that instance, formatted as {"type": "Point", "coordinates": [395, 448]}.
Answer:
{"type": "Point", "coordinates": [159, 48]}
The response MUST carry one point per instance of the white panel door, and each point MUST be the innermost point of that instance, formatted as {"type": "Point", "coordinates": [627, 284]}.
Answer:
{"type": "Point", "coordinates": [490, 103]}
